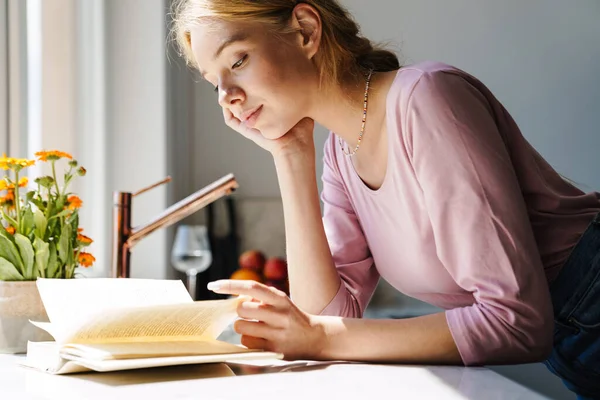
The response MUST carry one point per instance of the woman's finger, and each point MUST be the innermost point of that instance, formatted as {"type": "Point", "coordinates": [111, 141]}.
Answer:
{"type": "Point", "coordinates": [255, 343]}
{"type": "Point", "coordinates": [254, 289]}
{"type": "Point", "coordinates": [261, 312]}
{"type": "Point", "coordinates": [230, 119]}
{"type": "Point", "coordinates": [257, 329]}
{"type": "Point", "coordinates": [241, 128]}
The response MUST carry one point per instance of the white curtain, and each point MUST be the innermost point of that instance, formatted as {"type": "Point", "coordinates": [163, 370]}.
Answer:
{"type": "Point", "coordinates": [3, 76]}
{"type": "Point", "coordinates": [89, 77]}
{"type": "Point", "coordinates": [52, 82]}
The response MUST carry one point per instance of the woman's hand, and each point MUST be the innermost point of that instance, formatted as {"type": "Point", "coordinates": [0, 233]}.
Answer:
{"type": "Point", "coordinates": [272, 322]}
{"type": "Point", "coordinates": [297, 140]}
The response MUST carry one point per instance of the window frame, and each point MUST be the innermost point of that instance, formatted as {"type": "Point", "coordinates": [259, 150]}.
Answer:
{"type": "Point", "coordinates": [4, 82]}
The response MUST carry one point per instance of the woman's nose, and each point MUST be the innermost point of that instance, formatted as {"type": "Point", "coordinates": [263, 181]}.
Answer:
{"type": "Point", "coordinates": [230, 95]}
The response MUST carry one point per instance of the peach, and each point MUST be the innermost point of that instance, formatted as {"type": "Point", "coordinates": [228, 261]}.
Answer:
{"type": "Point", "coordinates": [253, 260]}
{"type": "Point", "coordinates": [275, 269]}
{"type": "Point", "coordinates": [246, 274]}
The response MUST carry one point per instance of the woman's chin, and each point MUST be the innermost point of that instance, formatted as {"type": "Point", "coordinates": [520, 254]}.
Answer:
{"type": "Point", "coordinates": [277, 131]}
{"type": "Point", "coordinates": [272, 134]}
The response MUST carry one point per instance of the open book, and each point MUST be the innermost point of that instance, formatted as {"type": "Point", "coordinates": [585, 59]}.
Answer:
{"type": "Point", "coordinates": [106, 324]}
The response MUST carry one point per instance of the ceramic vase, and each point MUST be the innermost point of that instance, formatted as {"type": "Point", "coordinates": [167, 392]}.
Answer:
{"type": "Point", "coordinates": [19, 303]}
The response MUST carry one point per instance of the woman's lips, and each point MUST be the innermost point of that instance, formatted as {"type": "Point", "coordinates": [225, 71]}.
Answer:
{"type": "Point", "coordinates": [252, 118]}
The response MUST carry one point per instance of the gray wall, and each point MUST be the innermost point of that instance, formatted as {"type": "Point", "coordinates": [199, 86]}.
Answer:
{"type": "Point", "coordinates": [3, 76]}
{"type": "Point", "coordinates": [541, 58]}
{"type": "Point", "coordinates": [137, 119]}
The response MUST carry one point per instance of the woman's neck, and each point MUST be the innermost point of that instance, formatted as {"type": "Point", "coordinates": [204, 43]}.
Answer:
{"type": "Point", "coordinates": [341, 111]}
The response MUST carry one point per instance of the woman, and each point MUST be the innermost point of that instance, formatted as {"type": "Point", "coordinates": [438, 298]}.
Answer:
{"type": "Point", "coordinates": [427, 183]}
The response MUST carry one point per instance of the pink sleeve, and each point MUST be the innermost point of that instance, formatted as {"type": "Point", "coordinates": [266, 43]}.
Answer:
{"type": "Point", "coordinates": [347, 243]}
{"type": "Point", "coordinates": [480, 222]}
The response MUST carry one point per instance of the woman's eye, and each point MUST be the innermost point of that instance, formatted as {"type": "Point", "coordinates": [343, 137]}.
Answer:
{"type": "Point", "coordinates": [240, 62]}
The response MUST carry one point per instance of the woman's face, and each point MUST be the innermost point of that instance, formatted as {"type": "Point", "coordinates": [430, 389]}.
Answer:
{"type": "Point", "coordinates": [263, 80]}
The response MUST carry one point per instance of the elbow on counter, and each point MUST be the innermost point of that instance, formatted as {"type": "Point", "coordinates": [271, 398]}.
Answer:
{"type": "Point", "coordinates": [534, 334]}
{"type": "Point", "coordinates": [540, 344]}
{"type": "Point", "coordinates": [524, 347]}
{"type": "Point", "coordinates": [531, 341]}
{"type": "Point", "coordinates": [501, 337]}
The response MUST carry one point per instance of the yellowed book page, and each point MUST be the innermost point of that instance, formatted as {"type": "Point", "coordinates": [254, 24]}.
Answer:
{"type": "Point", "coordinates": [121, 351]}
{"type": "Point", "coordinates": [200, 320]}
{"type": "Point", "coordinates": [69, 301]}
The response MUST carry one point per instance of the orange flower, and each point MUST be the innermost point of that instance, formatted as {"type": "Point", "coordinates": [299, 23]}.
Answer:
{"type": "Point", "coordinates": [79, 230]}
{"type": "Point", "coordinates": [74, 202]}
{"type": "Point", "coordinates": [10, 195]}
{"type": "Point", "coordinates": [86, 259]}
{"type": "Point", "coordinates": [24, 181]}
{"type": "Point", "coordinates": [52, 155]}
{"type": "Point", "coordinates": [84, 239]}
{"type": "Point", "coordinates": [12, 163]}
{"type": "Point", "coordinates": [8, 199]}
{"type": "Point", "coordinates": [10, 229]}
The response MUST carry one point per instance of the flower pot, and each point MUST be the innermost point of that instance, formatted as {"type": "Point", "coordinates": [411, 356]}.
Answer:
{"type": "Point", "coordinates": [20, 302]}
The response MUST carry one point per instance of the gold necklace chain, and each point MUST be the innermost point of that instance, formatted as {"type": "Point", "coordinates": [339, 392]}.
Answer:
{"type": "Point", "coordinates": [364, 119]}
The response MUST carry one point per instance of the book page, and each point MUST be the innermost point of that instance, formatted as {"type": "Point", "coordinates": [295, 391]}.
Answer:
{"type": "Point", "coordinates": [73, 300]}
{"type": "Point", "coordinates": [200, 320]}
{"type": "Point", "coordinates": [120, 351]}
{"type": "Point", "coordinates": [45, 356]}
{"type": "Point", "coordinates": [136, 363]}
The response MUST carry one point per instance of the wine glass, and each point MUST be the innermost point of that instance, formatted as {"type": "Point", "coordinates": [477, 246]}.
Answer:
{"type": "Point", "coordinates": [191, 253]}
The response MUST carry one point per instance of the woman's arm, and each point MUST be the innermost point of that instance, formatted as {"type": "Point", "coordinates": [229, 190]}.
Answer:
{"type": "Point", "coordinates": [322, 251]}
{"type": "Point", "coordinates": [421, 340]}
{"type": "Point", "coordinates": [273, 322]}
{"type": "Point", "coordinates": [313, 278]}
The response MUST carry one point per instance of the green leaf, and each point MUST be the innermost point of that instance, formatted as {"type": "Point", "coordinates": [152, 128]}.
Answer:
{"type": "Point", "coordinates": [42, 256]}
{"type": "Point", "coordinates": [67, 180]}
{"type": "Point", "coordinates": [73, 219]}
{"type": "Point", "coordinates": [26, 251]}
{"type": "Point", "coordinates": [51, 229]}
{"type": "Point", "coordinates": [39, 203]}
{"type": "Point", "coordinates": [40, 223]}
{"type": "Point", "coordinates": [4, 232]}
{"type": "Point", "coordinates": [8, 250]}
{"type": "Point", "coordinates": [64, 244]}
{"type": "Point", "coordinates": [27, 221]}
{"type": "Point", "coordinates": [60, 202]}
{"type": "Point", "coordinates": [53, 270]}
{"type": "Point", "coordinates": [8, 272]}
{"type": "Point", "coordinates": [9, 219]}
{"type": "Point", "coordinates": [61, 214]}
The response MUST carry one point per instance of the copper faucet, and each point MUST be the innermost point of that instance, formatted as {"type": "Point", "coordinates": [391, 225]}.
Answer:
{"type": "Point", "coordinates": [125, 236]}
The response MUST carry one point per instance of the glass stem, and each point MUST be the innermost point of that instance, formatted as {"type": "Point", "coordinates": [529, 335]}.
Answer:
{"type": "Point", "coordinates": [191, 282]}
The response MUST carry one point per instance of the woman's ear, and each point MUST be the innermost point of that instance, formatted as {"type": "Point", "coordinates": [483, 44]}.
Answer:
{"type": "Point", "coordinates": [307, 22]}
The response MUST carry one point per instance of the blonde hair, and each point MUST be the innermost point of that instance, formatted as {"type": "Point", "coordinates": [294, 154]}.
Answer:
{"type": "Point", "coordinates": [343, 50]}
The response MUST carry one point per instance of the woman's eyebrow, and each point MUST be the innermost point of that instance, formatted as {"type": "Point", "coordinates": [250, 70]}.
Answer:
{"type": "Point", "coordinates": [236, 37]}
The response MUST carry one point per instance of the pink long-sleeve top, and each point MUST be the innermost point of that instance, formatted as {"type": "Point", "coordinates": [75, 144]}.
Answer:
{"type": "Point", "coordinates": [469, 218]}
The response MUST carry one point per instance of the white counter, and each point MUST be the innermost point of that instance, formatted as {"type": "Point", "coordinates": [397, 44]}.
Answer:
{"type": "Point", "coordinates": [277, 380]}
